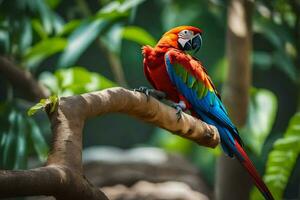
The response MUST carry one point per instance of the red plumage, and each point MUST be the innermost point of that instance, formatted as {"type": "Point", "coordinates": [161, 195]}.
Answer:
{"type": "Point", "coordinates": [155, 69]}
{"type": "Point", "coordinates": [156, 73]}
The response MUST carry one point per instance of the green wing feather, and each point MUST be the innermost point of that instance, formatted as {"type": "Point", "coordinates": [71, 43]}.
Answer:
{"type": "Point", "coordinates": [191, 81]}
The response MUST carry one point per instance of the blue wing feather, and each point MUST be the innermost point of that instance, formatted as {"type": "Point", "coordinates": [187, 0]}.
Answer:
{"type": "Point", "coordinates": [209, 108]}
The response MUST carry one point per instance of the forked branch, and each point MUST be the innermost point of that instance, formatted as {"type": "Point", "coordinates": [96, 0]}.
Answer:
{"type": "Point", "coordinates": [62, 176]}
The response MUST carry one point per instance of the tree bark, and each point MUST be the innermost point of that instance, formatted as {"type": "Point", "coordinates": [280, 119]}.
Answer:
{"type": "Point", "coordinates": [62, 177]}
{"type": "Point", "coordinates": [22, 80]}
{"type": "Point", "coordinates": [232, 181]}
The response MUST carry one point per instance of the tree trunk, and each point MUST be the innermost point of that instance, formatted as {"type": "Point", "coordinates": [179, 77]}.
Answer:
{"type": "Point", "coordinates": [232, 181]}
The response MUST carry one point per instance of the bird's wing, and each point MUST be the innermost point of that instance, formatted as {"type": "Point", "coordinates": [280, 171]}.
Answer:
{"type": "Point", "coordinates": [193, 82]}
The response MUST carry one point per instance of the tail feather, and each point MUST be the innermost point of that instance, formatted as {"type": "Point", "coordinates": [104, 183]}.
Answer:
{"type": "Point", "coordinates": [246, 162]}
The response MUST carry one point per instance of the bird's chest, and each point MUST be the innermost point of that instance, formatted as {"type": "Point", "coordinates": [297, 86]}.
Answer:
{"type": "Point", "coordinates": [161, 81]}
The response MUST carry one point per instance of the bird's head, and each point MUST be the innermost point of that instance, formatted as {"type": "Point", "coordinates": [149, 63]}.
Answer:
{"type": "Point", "coordinates": [186, 38]}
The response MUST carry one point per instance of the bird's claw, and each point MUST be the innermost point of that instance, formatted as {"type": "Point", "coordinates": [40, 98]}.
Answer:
{"type": "Point", "coordinates": [151, 92]}
{"type": "Point", "coordinates": [179, 109]}
{"type": "Point", "coordinates": [178, 113]}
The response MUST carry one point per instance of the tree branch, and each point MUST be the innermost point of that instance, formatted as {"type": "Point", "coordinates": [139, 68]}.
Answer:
{"type": "Point", "coordinates": [22, 80]}
{"type": "Point", "coordinates": [63, 177]}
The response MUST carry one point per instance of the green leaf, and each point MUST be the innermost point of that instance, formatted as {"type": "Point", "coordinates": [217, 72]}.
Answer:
{"type": "Point", "coordinates": [3, 136]}
{"type": "Point", "coordinates": [36, 107]}
{"type": "Point", "coordinates": [285, 63]}
{"type": "Point", "coordinates": [9, 153]}
{"type": "Point", "coordinates": [272, 32]}
{"type": "Point", "coordinates": [38, 140]}
{"type": "Point", "coordinates": [80, 40]}
{"type": "Point", "coordinates": [57, 23]}
{"type": "Point", "coordinates": [21, 147]}
{"type": "Point", "coordinates": [53, 3]}
{"type": "Point", "coordinates": [50, 81]}
{"type": "Point", "coordinates": [262, 113]}
{"type": "Point", "coordinates": [52, 100]}
{"type": "Point", "coordinates": [282, 40]}
{"type": "Point", "coordinates": [76, 80]}
{"type": "Point", "coordinates": [113, 38]}
{"type": "Point", "coordinates": [116, 7]}
{"type": "Point", "coordinates": [37, 26]}
{"type": "Point", "coordinates": [25, 36]}
{"type": "Point", "coordinates": [262, 59]}
{"type": "Point", "coordinates": [16, 142]}
{"type": "Point", "coordinates": [172, 14]}
{"type": "Point", "coordinates": [46, 16]}
{"type": "Point", "coordinates": [43, 50]}
{"type": "Point", "coordinates": [4, 41]}
{"type": "Point", "coordinates": [281, 160]}
{"type": "Point", "coordinates": [69, 27]}
{"type": "Point", "coordinates": [138, 35]}
{"type": "Point", "coordinates": [128, 4]}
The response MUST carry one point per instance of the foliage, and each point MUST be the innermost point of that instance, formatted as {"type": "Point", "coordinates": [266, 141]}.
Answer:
{"type": "Point", "coordinates": [19, 139]}
{"type": "Point", "coordinates": [42, 50]}
{"type": "Point", "coordinates": [138, 35]}
{"type": "Point", "coordinates": [51, 39]}
{"type": "Point", "coordinates": [83, 36]}
{"type": "Point", "coordinates": [261, 117]}
{"type": "Point", "coordinates": [52, 101]}
{"type": "Point", "coordinates": [75, 80]}
{"type": "Point", "coordinates": [79, 40]}
{"type": "Point", "coordinates": [282, 159]}
{"type": "Point", "coordinates": [20, 20]}
{"type": "Point", "coordinates": [275, 22]}
{"type": "Point", "coordinates": [36, 18]}
{"type": "Point", "coordinates": [32, 32]}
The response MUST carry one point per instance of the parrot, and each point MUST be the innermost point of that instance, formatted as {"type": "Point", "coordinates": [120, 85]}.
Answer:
{"type": "Point", "coordinates": [171, 68]}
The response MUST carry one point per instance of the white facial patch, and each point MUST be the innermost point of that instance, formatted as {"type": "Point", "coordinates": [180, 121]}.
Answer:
{"type": "Point", "coordinates": [185, 34]}
{"type": "Point", "coordinates": [182, 41]}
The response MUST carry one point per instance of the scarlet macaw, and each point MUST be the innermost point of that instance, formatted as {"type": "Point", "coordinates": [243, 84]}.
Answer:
{"type": "Point", "coordinates": [170, 69]}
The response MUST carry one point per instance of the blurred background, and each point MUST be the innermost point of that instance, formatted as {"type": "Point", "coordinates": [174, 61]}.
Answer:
{"type": "Point", "coordinates": [55, 47]}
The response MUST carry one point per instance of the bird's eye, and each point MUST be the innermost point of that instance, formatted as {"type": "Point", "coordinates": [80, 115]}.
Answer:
{"type": "Point", "coordinates": [185, 34]}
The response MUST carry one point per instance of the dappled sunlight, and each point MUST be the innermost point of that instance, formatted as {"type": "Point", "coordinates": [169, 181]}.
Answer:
{"type": "Point", "coordinates": [72, 126]}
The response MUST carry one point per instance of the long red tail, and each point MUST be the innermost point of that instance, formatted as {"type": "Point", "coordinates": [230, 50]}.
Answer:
{"type": "Point", "coordinates": [246, 162]}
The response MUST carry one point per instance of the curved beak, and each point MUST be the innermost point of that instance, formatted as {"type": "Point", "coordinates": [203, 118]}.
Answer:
{"type": "Point", "coordinates": [196, 42]}
{"type": "Point", "coordinates": [192, 44]}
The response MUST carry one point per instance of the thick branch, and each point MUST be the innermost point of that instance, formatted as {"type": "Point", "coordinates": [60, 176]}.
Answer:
{"type": "Point", "coordinates": [64, 165]}
{"type": "Point", "coordinates": [53, 180]}
{"type": "Point", "coordinates": [22, 80]}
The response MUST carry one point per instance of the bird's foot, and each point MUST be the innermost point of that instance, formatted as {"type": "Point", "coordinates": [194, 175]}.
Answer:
{"type": "Point", "coordinates": [180, 107]}
{"type": "Point", "coordinates": [151, 92]}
